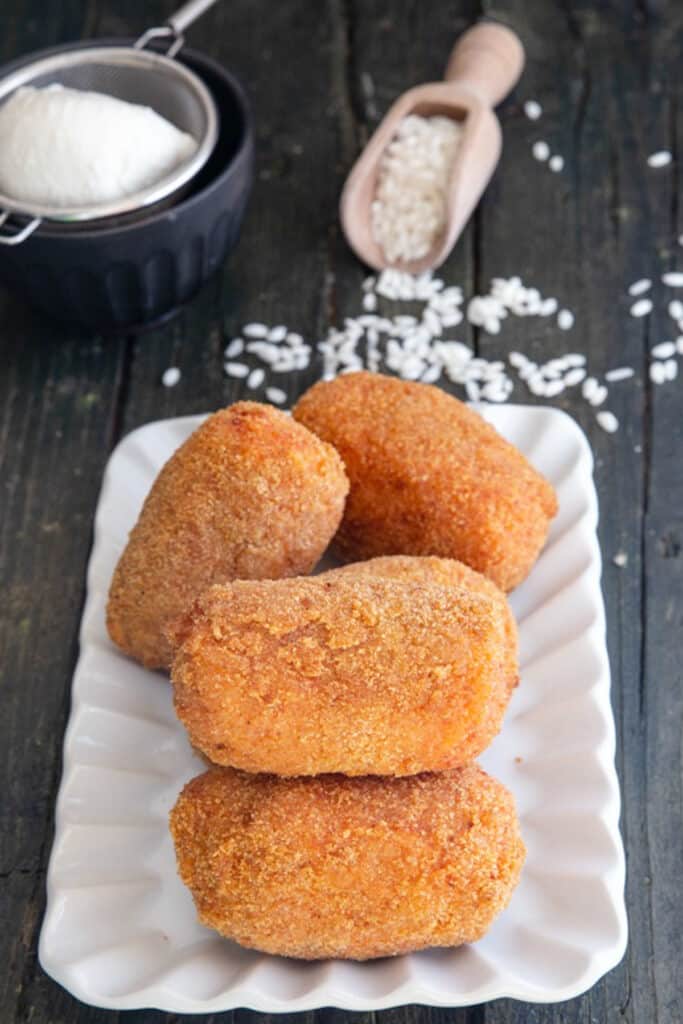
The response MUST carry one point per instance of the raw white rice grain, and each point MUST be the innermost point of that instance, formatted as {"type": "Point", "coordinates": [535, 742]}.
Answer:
{"type": "Point", "coordinates": [294, 340]}
{"type": "Point", "coordinates": [640, 286]}
{"type": "Point", "coordinates": [657, 373]}
{"type": "Point", "coordinates": [565, 320]}
{"type": "Point", "coordinates": [641, 308]}
{"type": "Point", "coordinates": [236, 369]}
{"type": "Point", "coordinates": [255, 330]}
{"type": "Point", "coordinates": [673, 278]}
{"type": "Point", "coordinates": [599, 395]}
{"type": "Point", "coordinates": [234, 348]}
{"type": "Point", "coordinates": [664, 350]}
{"type": "Point", "coordinates": [675, 309]}
{"type": "Point", "coordinates": [660, 159]}
{"type": "Point", "coordinates": [620, 559]}
{"type": "Point", "coordinates": [548, 307]}
{"type": "Point", "coordinates": [256, 378]}
{"type": "Point", "coordinates": [276, 395]}
{"type": "Point", "coordinates": [472, 391]}
{"type": "Point", "coordinates": [278, 333]}
{"type": "Point", "coordinates": [608, 421]}
{"type": "Point", "coordinates": [556, 163]}
{"type": "Point", "coordinates": [590, 386]}
{"type": "Point", "coordinates": [170, 377]}
{"type": "Point", "coordinates": [517, 359]}
{"type": "Point", "coordinates": [554, 388]}
{"type": "Point", "coordinates": [540, 150]}
{"type": "Point", "coordinates": [431, 374]}
{"type": "Point", "coordinates": [370, 301]}
{"type": "Point", "coordinates": [679, 345]}
{"type": "Point", "coordinates": [533, 110]}
{"type": "Point", "coordinates": [575, 377]}
{"type": "Point", "coordinates": [576, 359]}
{"type": "Point", "coordinates": [670, 369]}
{"type": "Point", "coordinates": [409, 209]}
{"type": "Point", "coordinates": [264, 350]}
{"type": "Point", "coordinates": [619, 373]}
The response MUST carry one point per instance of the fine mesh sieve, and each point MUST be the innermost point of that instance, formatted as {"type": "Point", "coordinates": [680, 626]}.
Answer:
{"type": "Point", "coordinates": [136, 75]}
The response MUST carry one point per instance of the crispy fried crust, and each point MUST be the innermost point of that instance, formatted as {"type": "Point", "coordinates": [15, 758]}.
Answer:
{"type": "Point", "coordinates": [450, 573]}
{"type": "Point", "coordinates": [352, 868]}
{"type": "Point", "coordinates": [429, 477]}
{"type": "Point", "coordinates": [251, 494]}
{"type": "Point", "coordinates": [337, 674]}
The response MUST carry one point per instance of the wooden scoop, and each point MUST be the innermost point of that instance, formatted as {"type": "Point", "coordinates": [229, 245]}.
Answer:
{"type": "Point", "coordinates": [483, 67]}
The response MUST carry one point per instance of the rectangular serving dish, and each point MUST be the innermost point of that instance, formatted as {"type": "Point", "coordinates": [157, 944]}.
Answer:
{"type": "Point", "coordinates": [120, 929]}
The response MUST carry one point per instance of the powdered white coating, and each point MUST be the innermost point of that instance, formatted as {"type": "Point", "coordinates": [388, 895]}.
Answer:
{"type": "Point", "coordinates": [67, 147]}
{"type": "Point", "coordinates": [410, 206]}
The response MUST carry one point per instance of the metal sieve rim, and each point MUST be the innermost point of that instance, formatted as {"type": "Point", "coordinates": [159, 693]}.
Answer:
{"type": "Point", "coordinates": [146, 197]}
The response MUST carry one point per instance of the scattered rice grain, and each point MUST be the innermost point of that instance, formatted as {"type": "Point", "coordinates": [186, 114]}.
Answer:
{"type": "Point", "coordinates": [276, 395]}
{"type": "Point", "coordinates": [619, 373]}
{"type": "Point", "coordinates": [236, 369]}
{"type": "Point", "coordinates": [256, 378]}
{"type": "Point", "coordinates": [170, 377]}
{"type": "Point", "coordinates": [664, 350]}
{"type": "Point", "coordinates": [533, 110]}
{"type": "Point", "coordinates": [565, 320]}
{"type": "Point", "coordinates": [641, 308]}
{"type": "Point", "coordinates": [640, 286]}
{"type": "Point", "coordinates": [540, 150]}
{"type": "Point", "coordinates": [673, 278]}
{"type": "Point", "coordinates": [660, 159]}
{"type": "Point", "coordinates": [608, 421]}
{"type": "Point", "coordinates": [255, 330]}
{"type": "Point", "coordinates": [556, 163]}
{"type": "Point", "coordinates": [234, 348]}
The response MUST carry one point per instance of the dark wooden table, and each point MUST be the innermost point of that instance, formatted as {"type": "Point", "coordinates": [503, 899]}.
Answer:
{"type": "Point", "coordinates": [608, 76]}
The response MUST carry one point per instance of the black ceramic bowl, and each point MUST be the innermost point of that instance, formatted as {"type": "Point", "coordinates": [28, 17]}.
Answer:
{"type": "Point", "coordinates": [129, 276]}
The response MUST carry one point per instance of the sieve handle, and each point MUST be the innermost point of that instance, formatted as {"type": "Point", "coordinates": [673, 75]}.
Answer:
{"type": "Point", "coordinates": [20, 234]}
{"type": "Point", "coordinates": [187, 14]}
{"type": "Point", "coordinates": [175, 26]}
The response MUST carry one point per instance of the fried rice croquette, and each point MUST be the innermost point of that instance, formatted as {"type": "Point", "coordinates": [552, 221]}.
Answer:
{"type": "Point", "coordinates": [428, 477]}
{"type": "Point", "coordinates": [350, 868]}
{"type": "Point", "coordinates": [338, 674]}
{"type": "Point", "coordinates": [250, 494]}
{"type": "Point", "coordinates": [448, 572]}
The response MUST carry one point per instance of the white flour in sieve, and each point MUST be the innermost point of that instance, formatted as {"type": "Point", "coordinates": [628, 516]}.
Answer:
{"type": "Point", "coordinates": [65, 147]}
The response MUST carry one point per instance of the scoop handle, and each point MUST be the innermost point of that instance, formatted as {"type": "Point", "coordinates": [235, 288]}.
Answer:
{"type": "Point", "coordinates": [488, 60]}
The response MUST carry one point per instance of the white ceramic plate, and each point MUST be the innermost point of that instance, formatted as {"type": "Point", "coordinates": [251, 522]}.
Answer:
{"type": "Point", "coordinates": [120, 929]}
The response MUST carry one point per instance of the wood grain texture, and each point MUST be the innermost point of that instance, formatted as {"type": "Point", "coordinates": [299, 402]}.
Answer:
{"type": "Point", "coordinates": [319, 77]}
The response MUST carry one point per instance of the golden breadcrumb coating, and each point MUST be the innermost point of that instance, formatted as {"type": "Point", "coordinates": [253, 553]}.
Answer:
{"type": "Point", "coordinates": [450, 573]}
{"type": "Point", "coordinates": [351, 868]}
{"type": "Point", "coordinates": [429, 477]}
{"type": "Point", "coordinates": [250, 494]}
{"type": "Point", "coordinates": [336, 674]}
